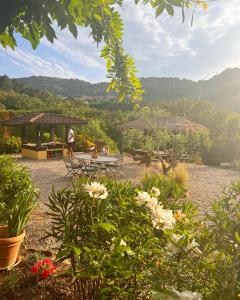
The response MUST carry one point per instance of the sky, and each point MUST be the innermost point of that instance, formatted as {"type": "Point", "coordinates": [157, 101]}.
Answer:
{"type": "Point", "coordinates": [161, 47]}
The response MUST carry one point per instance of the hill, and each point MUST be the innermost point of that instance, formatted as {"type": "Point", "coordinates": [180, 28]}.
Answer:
{"type": "Point", "coordinates": [223, 89]}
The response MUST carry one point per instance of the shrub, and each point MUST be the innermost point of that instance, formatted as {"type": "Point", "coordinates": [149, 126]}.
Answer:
{"type": "Point", "coordinates": [113, 239]}
{"type": "Point", "coordinates": [98, 135]}
{"type": "Point", "coordinates": [83, 143]}
{"type": "Point", "coordinates": [11, 144]}
{"type": "Point", "coordinates": [180, 175]}
{"type": "Point", "coordinates": [109, 245]}
{"type": "Point", "coordinates": [139, 242]}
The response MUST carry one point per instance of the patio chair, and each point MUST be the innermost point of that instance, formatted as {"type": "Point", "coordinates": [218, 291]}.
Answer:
{"type": "Point", "coordinates": [71, 166]}
{"type": "Point", "coordinates": [87, 169]}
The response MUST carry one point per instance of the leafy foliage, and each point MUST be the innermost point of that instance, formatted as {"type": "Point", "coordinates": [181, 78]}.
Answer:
{"type": "Point", "coordinates": [17, 195]}
{"type": "Point", "coordinates": [12, 144]}
{"type": "Point", "coordinates": [110, 239]}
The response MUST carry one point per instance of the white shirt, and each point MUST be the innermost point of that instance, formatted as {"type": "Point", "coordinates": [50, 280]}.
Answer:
{"type": "Point", "coordinates": [70, 136]}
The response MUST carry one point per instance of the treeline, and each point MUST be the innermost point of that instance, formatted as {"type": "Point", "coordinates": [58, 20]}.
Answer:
{"type": "Point", "coordinates": [222, 144]}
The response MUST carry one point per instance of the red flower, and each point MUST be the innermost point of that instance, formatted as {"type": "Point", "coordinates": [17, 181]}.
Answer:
{"type": "Point", "coordinates": [45, 274]}
{"type": "Point", "coordinates": [44, 268]}
{"type": "Point", "coordinates": [34, 269]}
{"type": "Point", "coordinates": [47, 261]}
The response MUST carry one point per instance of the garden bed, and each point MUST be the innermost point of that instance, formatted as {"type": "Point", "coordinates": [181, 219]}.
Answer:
{"type": "Point", "coordinates": [21, 283]}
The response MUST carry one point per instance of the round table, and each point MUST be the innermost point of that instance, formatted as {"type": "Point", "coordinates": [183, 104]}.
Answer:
{"type": "Point", "coordinates": [102, 164]}
{"type": "Point", "coordinates": [99, 159]}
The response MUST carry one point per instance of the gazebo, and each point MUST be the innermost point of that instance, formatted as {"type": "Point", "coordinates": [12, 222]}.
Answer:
{"type": "Point", "coordinates": [40, 150]}
{"type": "Point", "coordinates": [173, 124]}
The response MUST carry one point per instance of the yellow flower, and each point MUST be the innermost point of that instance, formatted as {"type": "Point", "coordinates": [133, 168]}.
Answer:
{"type": "Point", "coordinates": [179, 215]}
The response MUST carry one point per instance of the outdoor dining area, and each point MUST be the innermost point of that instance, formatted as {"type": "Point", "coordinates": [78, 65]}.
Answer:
{"type": "Point", "coordinates": [92, 165]}
{"type": "Point", "coordinates": [36, 148]}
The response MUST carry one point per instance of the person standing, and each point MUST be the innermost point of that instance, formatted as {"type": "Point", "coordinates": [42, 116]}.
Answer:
{"type": "Point", "coordinates": [70, 142]}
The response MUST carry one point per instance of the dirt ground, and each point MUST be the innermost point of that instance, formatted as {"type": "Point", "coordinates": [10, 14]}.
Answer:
{"type": "Point", "coordinates": [204, 185]}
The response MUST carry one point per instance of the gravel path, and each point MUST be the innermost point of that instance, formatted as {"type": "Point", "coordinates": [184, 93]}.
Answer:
{"type": "Point", "coordinates": [205, 185]}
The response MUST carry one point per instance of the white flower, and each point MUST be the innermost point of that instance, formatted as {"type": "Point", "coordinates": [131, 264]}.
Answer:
{"type": "Point", "coordinates": [155, 191]}
{"type": "Point", "coordinates": [123, 243]}
{"type": "Point", "coordinates": [145, 198]}
{"type": "Point", "coordinates": [96, 190]}
{"type": "Point", "coordinates": [162, 218]}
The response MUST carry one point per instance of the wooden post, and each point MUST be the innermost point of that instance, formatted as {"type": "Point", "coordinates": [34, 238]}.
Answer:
{"type": "Point", "coordinates": [52, 134]}
{"type": "Point", "coordinates": [23, 135]}
{"type": "Point", "coordinates": [38, 137]}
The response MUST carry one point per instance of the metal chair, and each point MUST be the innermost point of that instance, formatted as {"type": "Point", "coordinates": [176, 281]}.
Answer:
{"type": "Point", "coordinates": [87, 169]}
{"type": "Point", "coordinates": [71, 166]}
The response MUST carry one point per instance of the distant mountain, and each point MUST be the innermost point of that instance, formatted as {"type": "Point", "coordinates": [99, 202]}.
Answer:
{"type": "Point", "coordinates": [72, 88]}
{"type": "Point", "coordinates": [223, 89]}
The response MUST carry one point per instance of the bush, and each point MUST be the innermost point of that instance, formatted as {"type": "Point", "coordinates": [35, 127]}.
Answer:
{"type": "Point", "coordinates": [83, 143]}
{"type": "Point", "coordinates": [98, 135]}
{"type": "Point", "coordinates": [109, 234]}
{"type": "Point", "coordinates": [11, 144]}
{"type": "Point", "coordinates": [146, 242]}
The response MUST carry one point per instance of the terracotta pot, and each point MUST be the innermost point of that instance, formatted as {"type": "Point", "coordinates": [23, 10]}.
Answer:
{"type": "Point", "coordinates": [95, 155]}
{"type": "Point", "coordinates": [9, 247]}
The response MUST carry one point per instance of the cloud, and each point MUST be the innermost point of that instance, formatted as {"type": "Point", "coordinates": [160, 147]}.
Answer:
{"type": "Point", "coordinates": [161, 46]}
{"type": "Point", "coordinates": [81, 50]}
{"type": "Point", "coordinates": [171, 48]}
{"type": "Point", "coordinates": [37, 65]}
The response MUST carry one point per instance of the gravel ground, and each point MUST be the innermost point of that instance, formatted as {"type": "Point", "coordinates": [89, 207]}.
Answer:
{"type": "Point", "coordinates": [205, 185]}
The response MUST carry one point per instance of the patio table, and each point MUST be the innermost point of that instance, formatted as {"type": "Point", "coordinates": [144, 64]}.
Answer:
{"type": "Point", "coordinates": [102, 163]}
{"type": "Point", "coordinates": [99, 159]}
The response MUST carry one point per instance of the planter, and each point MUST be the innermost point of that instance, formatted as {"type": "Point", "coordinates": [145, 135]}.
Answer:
{"type": "Point", "coordinates": [94, 155]}
{"type": "Point", "coordinates": [9, 248]}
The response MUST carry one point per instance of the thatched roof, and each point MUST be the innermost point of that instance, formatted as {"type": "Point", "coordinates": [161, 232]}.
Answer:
{"type": "Point", "coordinates": [170, 123]}
{"type": "Point", "coordinates": [42, 119]}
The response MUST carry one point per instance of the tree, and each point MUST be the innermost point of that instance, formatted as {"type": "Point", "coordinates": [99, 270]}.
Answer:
{"type": "Point", "coordinates": [34, 19]}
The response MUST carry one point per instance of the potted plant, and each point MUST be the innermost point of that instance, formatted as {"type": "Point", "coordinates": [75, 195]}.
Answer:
{"type": "Point", "coordinates": [17, 199]}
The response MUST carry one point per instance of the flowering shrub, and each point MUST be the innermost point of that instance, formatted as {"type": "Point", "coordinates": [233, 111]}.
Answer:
{"type": "Point", "coordinates": [43, 268]}
{"type": "Point", "coordinates": [127, 241]}
{"type": "Point", "coordinates": [83, 143]}
{"type": "Point", "coordinates": [113, 232]}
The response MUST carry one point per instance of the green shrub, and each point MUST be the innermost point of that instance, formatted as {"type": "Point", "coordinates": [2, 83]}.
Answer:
{"type": "Point", "coordinates": [12, 144]}
{"type": "Point", "coordinates": [83, 143]}
{"type": "Point", "coordinates": [98, 135]}
{"type": "Point", "coordinates": [146, 242]}
{"type": "Point", "coordinates": [111, 236]}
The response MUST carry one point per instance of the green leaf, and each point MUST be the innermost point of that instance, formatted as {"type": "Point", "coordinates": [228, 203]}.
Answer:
{"type": "Point", "coordinates": [75, 249]}
{"type": "Point", "coordinates": [108, 227]}
{"type": "Point", "coordinates": [237, 237]}
{"type": "Point", "coordinates": [73, 29]}
{"type": "Point", "coordinates": [178, 3]}
{"type": "Point", "coordinates": [160, 9]}
{"type": "Point", "coordinates": [62, 253]}
{"type": "Point", "coordinates": [169, 10]}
